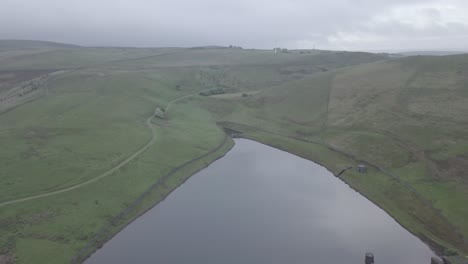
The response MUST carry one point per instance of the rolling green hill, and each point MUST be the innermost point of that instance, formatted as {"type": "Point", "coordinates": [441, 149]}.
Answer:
{"type": "Point", "coordinates": [80, 145]}
{"type": "Point", "coordinates": [13, 44]}
{"type": "Point", "coordinates": [405, 118]}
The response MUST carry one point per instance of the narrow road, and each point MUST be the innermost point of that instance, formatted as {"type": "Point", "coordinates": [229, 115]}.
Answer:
{"type": "Point", "coordinates": [182, 98]}
{"type": "Point", "coordinates": [110, 171]}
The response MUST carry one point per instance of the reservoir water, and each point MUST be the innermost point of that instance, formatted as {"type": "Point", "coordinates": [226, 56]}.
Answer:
{"type": "Point", "coordinates": [260, 205]}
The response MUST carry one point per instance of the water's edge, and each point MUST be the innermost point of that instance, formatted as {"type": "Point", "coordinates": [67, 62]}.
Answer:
{"type": "Point", "coordinates": [424, 239]}
{"type": "Point", "coordinates": [204, 166]}
{"type": "Point", "coordinates": [89, 250]}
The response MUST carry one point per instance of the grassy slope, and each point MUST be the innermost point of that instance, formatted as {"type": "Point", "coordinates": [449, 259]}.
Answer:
{"type": "Point", "coordinates": [92, 117]}
{"type": "Point", "coordinates": [17, 44]}
{"type": "Point", "coordinates": [406, 116]}
{"type": "Point", "coordinates": [21, 55]}
{"type": "Point", "coordinates": [414, 118]}
{"type": "Point", "coordinates": [77, 132]}
{"type": "Point", "coordinates": [74, 58]}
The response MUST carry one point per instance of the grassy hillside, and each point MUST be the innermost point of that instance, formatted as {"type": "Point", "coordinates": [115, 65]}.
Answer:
{"type": "Point", "coordinates": [421, 116]}
{"type": "Point", "coordinates": [87, 124]}
{"type": "Point", "coordinates": [79, 144]}
{"type": "Point", "coordinates": [405, 118]}
{"type": "Point", "coordinates": [74, 58]}
{"type": "Point", "coordinates": [12, 48]}
{"type": "Point", "coordinates": [14, 44]}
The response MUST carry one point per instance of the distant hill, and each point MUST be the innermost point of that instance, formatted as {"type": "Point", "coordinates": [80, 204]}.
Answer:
{"type": "Point", "coordinates": [11, 44]}
{"type": "Point", "coordinates": [431, 53]}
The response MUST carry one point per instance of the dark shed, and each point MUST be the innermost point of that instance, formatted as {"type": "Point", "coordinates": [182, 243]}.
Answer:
{"type": "Point", "coordinates": [369, 258]}
{"type": "Point", "coordinates": [362, 168]}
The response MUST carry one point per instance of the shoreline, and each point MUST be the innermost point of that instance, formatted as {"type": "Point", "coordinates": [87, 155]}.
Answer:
{"type": "Point", "coordinates": [434, 246]}
{"type": "Point", "coordinates": [112, 229]}
{"type": "Point", "coordinates": [110, 236]}
{"type": "Point", "coordinates": [426, 234]}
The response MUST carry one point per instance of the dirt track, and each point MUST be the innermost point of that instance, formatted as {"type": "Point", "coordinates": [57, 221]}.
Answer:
{"type": "Point", "coordinates": [108, 172]}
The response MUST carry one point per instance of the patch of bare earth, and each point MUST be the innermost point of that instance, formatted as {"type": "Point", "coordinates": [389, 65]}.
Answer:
{"type": "Point", "coordinates": [454, 168]}
{"type": "Point", "coordinates": [7, 258]}
{"type": "Point", "coordinates": [39, 217]}
{"type": "Point", "coordinates": [9, 78]}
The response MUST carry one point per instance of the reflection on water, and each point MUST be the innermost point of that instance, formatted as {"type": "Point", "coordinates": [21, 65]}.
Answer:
{"type": "Point", "coordinates": [262, 205]}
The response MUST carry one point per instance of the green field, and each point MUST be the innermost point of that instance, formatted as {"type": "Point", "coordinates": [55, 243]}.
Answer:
{"type": "Point", "coordinates": [86, 114]}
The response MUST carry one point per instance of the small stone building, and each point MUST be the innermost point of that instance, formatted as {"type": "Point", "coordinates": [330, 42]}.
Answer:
{"type": "Point", "coordinates": [159, 113]}
{"type": "Point", "coordinates": [362, 168]}
{"type": "Point", "coordinates": [369, 259]}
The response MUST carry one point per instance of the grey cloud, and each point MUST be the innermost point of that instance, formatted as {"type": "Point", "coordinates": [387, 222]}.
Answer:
{"type": "Point", "coordinates": [250, 23]}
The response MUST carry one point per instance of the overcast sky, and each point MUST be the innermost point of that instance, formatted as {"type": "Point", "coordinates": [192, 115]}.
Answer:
{"type": "Point", "coordinates": [329, 24]}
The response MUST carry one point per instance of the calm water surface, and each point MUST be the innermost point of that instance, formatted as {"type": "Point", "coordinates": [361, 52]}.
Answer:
{"type": "Point", "coordinates": [260, 205]}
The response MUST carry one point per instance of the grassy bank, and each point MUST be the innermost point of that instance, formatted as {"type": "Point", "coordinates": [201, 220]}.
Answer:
{"type": "Point", "coordinates": [76, 133]}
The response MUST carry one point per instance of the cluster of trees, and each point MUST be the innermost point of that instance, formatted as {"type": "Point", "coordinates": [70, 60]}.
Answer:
{"type": "Point", "coordinates": [234, 47]}
{"type": "Point", "coordinates": [212, 92]}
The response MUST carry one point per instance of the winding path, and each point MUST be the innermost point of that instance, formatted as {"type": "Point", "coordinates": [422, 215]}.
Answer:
{"type": "Point", "coordinates": [108, 172]}
{"type": "Point", "coordinates": [182, 98]}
